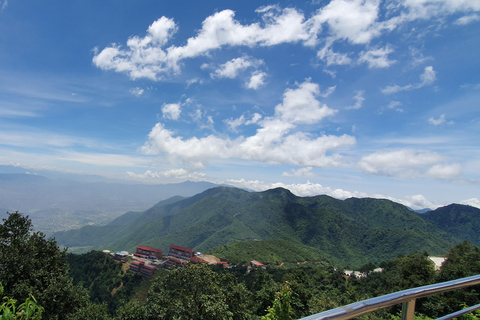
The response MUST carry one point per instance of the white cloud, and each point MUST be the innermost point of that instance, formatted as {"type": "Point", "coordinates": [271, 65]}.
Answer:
{"type": "Point", "coordinates": [171, 111]}
{"type": "Point", "coordinates": [231, 68]}
{"type": "Point", "coordinates": [147, 58]}
{"type": "Point", "coordinates": [395, 105]}
{"type": "Point", "coordinates": [169, 174]}
{"type": "Point", "coordinates": [418, 202]}
{"type": "Point", "coordinates": [301, 106]}
{"type": "Point", "coordinates": [427, 78]}
{"type": "Point", "coordinates": [301, 172]}
{"type": "Point", "coordinates": [256, 80]}
{"type": "Point", "coordinates": [333, 58]}
{"type": "Point", "coordinates": [467, 19]}
{"type": "Point", "coordinates": [440, 171]}
{"type": "Point", "coordinates": [351, 20]}
{"type": "Point", "coordinates": [235, 123]}
{"type": "Point", "coordinates": [136, 91]}
{"type": "Point", "coordinates": [400, 163]}
{"type": "Point", "coordinates": [438, 121]}
{"type": "Point", "coordinates": [274, 141]}
{"type": "Point", "coordinates": [329, 91]}
{"type": "Point", "coordinates": [377, 58]}
{"type": "Point", "coordinates": [358, 100]}
{"type": "Point", "coordinates": [474, 202]}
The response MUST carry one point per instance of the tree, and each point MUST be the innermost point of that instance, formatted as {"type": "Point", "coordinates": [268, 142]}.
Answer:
{"type": "Point", "coordinates": [33, 265]}
{"type": "Point", "coordinates": [192, 292]}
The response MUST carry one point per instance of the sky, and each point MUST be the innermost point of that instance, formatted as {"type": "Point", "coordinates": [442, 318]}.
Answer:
{"type": "Point", "coordinates": [350, 98]}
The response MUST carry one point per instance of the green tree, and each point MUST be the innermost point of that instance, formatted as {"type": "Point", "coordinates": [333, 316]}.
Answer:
{"type": "Point", "coordinates": [281, 308]}
{"type": "Point", "coordinates": [33, 265]}
{"type": "Point", "coordinates": [192, 292]}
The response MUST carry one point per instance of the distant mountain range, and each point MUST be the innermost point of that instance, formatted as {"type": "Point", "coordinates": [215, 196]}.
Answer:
{"type": "Point", "coordinates": [351, 232]}
{"type": "Point", "coordinates": [60, 204]}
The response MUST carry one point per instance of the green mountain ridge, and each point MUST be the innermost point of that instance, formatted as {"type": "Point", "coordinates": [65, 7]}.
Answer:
{"type": "Point", "coordinates": [352, 231]}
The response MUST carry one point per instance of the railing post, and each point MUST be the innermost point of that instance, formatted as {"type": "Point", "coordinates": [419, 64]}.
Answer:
{"type": "Point", "coordinates": [408, 310]}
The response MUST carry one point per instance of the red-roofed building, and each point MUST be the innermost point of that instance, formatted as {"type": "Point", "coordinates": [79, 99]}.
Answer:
{"type": "Point", "coordinates": [255, 263]}
{"type": "Point", "coordinates": [174, 262]}
{"type": "Point", "coordinates": [181, 252]}
{"type": "Point", "coordinates": [141, 267]}
{"type": "Point", "coordinates": [148, 252]}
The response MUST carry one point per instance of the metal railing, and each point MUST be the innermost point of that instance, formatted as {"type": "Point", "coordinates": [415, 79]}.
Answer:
{"type": "Point", "coordinates": [406, 297]}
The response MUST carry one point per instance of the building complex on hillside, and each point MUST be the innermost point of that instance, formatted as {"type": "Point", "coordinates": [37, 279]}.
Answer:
{"type": "Point", "coordinates": [148, 253]}
{"type": "Point", "coordinates": [181, 252]}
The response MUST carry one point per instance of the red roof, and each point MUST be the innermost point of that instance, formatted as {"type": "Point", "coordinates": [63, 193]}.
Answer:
{"type": "Point", "coordinates": [137, 263]}
{"type": "Point", "coordinates": [172, 246]}
{"type": "Point", "coordinates": [258, 264]}
{"type": "Point", "coordinates": [149, 249]}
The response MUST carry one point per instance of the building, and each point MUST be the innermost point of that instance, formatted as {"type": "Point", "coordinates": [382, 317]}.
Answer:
{"type": "Point", "coordinates": [257, 264]}
{"type": "Point", "coordinates": [141, 267]}
{"type": "Point", "coordinates": [181, 252]}
{"type": "Point", "coordinates": [438, 261]}
{"type": "Point", "coordinates": [174, 262]}
{"type": "Point", "coordinates": [148, 253]}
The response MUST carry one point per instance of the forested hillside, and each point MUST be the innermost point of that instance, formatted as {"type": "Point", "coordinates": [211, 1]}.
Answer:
{"type": "Point", "coordinates": [351, 232]}
{"type": "Point", "coordinates": [92, 286]}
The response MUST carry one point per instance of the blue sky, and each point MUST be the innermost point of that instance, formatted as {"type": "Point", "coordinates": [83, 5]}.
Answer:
{"type": "Point", "coordinates": [342, 97]}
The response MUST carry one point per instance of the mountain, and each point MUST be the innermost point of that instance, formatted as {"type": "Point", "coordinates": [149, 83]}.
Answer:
{"type": "Point", "coordinates": [352, 231]}
{"type": "Point", "coordinates": [458, 220]}
{"type": "Point", "coordinates": [58, 204]}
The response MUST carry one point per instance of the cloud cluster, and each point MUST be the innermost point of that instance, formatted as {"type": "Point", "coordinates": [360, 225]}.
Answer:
{"type": "Point", "coordinates": [277, 139]}
{"type": "Point", "coordinates": [357, 22]}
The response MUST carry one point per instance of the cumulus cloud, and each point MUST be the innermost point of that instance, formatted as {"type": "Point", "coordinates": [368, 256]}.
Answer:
{"type": "Point", "coordinates": [147, 57]}
{"type": "Point", "coordinates": [398, 163]}
{"type": "Point", "coordinates": [275, 141]}
{"type": "Point", "coordinates": [426, 78]}
{"type": "Point", "coordinates": [171, 111]}
{"type": "Point", "coordinates": [353, 21]}
{"type": "Point", "coordinates": [231, 68]}
{"type": "Point", "coordinates": [256, 80]}
{"type": "Point", "coordinates": [419, 202]}
{"type": "Point", "coordinates": [376, 58]}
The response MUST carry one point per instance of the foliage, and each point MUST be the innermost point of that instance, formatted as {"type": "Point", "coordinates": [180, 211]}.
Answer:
{"type": "Point", "coordinates": [281, 308]}
{"type": "Point", "coordinates": [104, 278]}
{"type": "Point", "coordinates": [29, 310]}
{"type": "Point", "coordinates": [31, 265]}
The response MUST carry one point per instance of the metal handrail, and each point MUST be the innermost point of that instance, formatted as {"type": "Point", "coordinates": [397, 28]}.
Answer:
{"type": "Point", "coordinates": [406, 297]}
